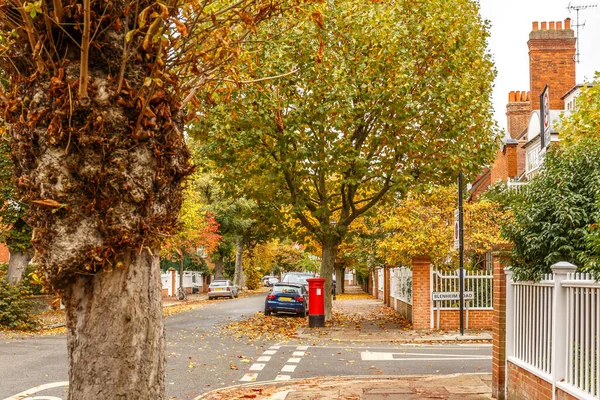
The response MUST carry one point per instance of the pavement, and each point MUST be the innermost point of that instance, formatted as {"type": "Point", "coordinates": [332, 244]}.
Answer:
{"type": "Point", "coordinates": [362, 320]}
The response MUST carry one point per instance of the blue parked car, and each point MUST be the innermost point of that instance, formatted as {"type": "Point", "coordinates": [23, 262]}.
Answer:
{"type": "Point", "coordinates": [287, 298]}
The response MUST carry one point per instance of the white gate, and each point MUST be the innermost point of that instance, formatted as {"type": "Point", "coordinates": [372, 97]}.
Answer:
{"type": "Point", "coordinates": [481, 283]}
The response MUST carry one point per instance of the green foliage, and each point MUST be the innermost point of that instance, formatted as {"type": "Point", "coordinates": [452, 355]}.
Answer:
{"type": "Point", "coordinates": [15, 232]}
{"type": "Point", "coordinates": [384, 97]}
{"type": "Point", "coordinates": [558, 212]}
{"type": "Point", "coordinates": [308, 263]}
{"type": "Point", "coordinates": [191, 262]}
{"type": "Point", "coordinates": [253, 276]}
{"type": "Point", "coordinates": [584, 122]}
{"type": "Point", "coordinates": [15, 307]}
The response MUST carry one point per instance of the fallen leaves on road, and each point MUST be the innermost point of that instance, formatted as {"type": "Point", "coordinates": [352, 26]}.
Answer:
{"type": "Point", "coordinates": [262, 327]}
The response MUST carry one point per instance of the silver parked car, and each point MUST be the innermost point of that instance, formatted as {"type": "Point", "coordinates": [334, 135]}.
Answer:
{"type": "Point", "coordinates": [222, 288]}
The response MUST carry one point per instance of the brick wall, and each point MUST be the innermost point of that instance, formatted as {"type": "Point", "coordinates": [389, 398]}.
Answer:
{"type": "Point", "coordinates": [483, 182]}
{"type": "Point", "coordinates": [421, 294]}
{"type": "Point", "coordinates": [500, 261]}
{"type": "Point", "coordinates": [518, 111]}
{"type": "Point", "coordinates": [551, 52]}
{"type": "Point", "coordinates": [523, 385]}
{"type": "Point", "coordinates": [478, 319]}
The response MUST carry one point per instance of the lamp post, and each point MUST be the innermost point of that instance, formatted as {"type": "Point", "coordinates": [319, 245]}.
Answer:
{"type": "Point", "coordinates": [461, 277]}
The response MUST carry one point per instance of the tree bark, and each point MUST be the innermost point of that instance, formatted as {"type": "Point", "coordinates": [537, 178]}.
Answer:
{"type": "Point", "coordinates": [238, 277]}
{"type": "Point", "coordinates": [16, 266]}
{"type": "Point", "coordinates": [327, 265]}
{"type": "Point", "coordinates": [219, 264]}
{"type": "Point", "coordinates": [115, 332]}
{"type": "Point", "coordinates": [339, 278]}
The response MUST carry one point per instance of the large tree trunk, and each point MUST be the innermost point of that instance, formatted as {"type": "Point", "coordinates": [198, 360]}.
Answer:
{"type": "Point", "coordinates": [327, 265]}
{"type": "Point", "coordinates": [219, 266]}
{"type": "Point", "coordinates": [339, 278]}
{"type": "Point", "coordinates": [16, 266]}
{"type": "Point", "coordinates": [238, 277]}
{"type": "Point", "coordinates": [116, 336]}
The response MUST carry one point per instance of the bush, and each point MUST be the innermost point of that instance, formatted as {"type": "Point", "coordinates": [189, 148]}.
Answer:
{"type": "Point", "coordinates": [558, 212]}
{"type": "Point", "coordinates": [15, 307]}
{"type": "Point", "coordinates": [253, 276]}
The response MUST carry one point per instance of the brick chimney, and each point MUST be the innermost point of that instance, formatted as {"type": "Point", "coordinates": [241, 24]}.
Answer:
{"type": "Point", "coordinates": [551, 62]}
{"type": "Point", "coordinates": [518, 110]}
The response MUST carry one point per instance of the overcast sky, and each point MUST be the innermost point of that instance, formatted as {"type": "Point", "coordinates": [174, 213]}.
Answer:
{"type": "Point", "coordinates": [511, 23]}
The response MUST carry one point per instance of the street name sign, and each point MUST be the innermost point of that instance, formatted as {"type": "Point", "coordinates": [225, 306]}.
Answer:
{"type": "Point", "coordinates": [438, 296]}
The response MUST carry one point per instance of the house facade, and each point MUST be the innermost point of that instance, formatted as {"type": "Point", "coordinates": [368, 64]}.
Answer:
{"type": "Point", "coordinates": [551, 67]}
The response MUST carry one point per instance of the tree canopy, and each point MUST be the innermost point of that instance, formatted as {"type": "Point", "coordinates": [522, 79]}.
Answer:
{"type": "Point", "coordinates": [372, 98]}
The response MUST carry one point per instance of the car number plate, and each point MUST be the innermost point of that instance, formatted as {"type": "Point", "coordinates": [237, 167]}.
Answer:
{"type": "Point", "coordinates": [219, 288]}
{"type": "Point", "coordinates": [285, 298]}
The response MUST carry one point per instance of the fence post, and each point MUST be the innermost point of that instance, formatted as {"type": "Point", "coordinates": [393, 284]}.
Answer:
{"type": "Point", "coordinates": [421, 293]}
{"type": "Point", "coordinates": [499, 339]}
{"type": "Point", "coordinates": [559, 324]}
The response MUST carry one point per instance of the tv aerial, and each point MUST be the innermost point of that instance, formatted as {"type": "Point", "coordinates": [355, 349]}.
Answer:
{"type": "Point", "coordinates": [577, 8]}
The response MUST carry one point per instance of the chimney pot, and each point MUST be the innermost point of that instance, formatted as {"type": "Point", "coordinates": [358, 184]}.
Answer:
{"type": "Point", "coordinates": [568, 23]}
{"type": "Point", "coordinates": [511, 97]}
{"type": "Point", "coordinates": [559, 25]}
{"type": "Point", "coordinates": [544, 26]}
{"type": "Point", "coordinates": [552, 26]}
{"type": "Point", "coordinates": [536, 26]}
{"type": "Point", "coordinates": [523, 96]}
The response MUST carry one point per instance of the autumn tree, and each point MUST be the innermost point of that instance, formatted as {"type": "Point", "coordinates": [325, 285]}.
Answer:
{"type": "Point", "coordinates": [422, 224]}
{"type": "Point", "coordinates": [373, 98]}
{"type": "Point", "coordinates": [198, 230]}
{"type": "Point", "coordinates": [94, 96]}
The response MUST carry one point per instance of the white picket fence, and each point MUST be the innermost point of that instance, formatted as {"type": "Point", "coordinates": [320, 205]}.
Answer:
{"type": "Point", "coordinates": [481, 283]}
{"type": "Point", "coordinates": [553, 329]}
{"type": "Point", "coordinates": [401, 284]}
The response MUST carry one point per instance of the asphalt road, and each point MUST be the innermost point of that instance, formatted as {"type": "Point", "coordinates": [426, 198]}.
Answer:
{"type": "Point", "coordinates": [201, 357]}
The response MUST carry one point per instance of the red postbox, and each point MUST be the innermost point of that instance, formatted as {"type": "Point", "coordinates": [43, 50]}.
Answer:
{"type": "Point", "coordinates": [316, 302]}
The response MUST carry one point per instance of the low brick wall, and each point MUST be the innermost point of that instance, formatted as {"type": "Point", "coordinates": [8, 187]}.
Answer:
{"type": "Point", "coordinates": [523, 385]}
{"type": "Point", "coordinates": [478, 319]}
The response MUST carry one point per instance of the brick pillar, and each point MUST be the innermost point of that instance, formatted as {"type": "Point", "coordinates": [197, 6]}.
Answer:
{"type": "Point", "coordinates": [386, 286]}
{"type": "Point", "coordinates": [500, 256]}
{"type": "Point", "coordinates": [421, 294]}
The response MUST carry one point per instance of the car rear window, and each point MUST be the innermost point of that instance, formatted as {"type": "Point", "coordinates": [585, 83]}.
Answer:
{"type": "Point", "coordinates": [219, 283]}
{"type": "Point", "coordinates": [286, 289]}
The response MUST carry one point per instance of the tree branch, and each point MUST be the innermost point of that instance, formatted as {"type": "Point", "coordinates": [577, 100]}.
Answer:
{"type": "Point", "coordinates": [85, 51]}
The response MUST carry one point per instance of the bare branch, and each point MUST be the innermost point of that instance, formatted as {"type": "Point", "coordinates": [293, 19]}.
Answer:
{"type": "Point", "coordinates": [85, 51]}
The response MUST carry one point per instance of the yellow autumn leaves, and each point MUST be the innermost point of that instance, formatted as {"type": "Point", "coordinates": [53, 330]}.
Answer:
{"type": "Point", "coordinates": [422, 224]}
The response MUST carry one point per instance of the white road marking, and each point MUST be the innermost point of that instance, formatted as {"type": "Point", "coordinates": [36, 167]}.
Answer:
{"type": "Point", "coordinates": [249, 378]}
{"type": "Point", "coordinates": [275, 347]}
{"type": "Point", "coordinates": [269, 352]}
{"type": "Point", "coordinates": [283, 378]}
{"type": "Point", "coordinates": [257, 367]}
{"type": "Point", "coordinates": [294, 360]}
{"type": "Point", "coordinates": [288, 368]}
{"type": "Point", "coordinates": [380, 356]}
{"type": "Point", "coordinates": [29, 392]}
{"type": "Point", "coordinates": [264, 358]}
{"type": "Point", "coordinates": [298, 353]}
{"type": "Point", "coordinates": [43, 398]}
{"type": "Point", "coordinates": [302, 348]}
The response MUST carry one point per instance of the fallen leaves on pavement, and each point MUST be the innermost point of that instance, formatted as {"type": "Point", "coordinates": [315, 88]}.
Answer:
{"type": "Point", "coordinates": [262, 327]}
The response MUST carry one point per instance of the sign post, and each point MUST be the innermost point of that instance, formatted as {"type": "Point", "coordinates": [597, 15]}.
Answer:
{"type": "Point", "coordinates": [461, 277]}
